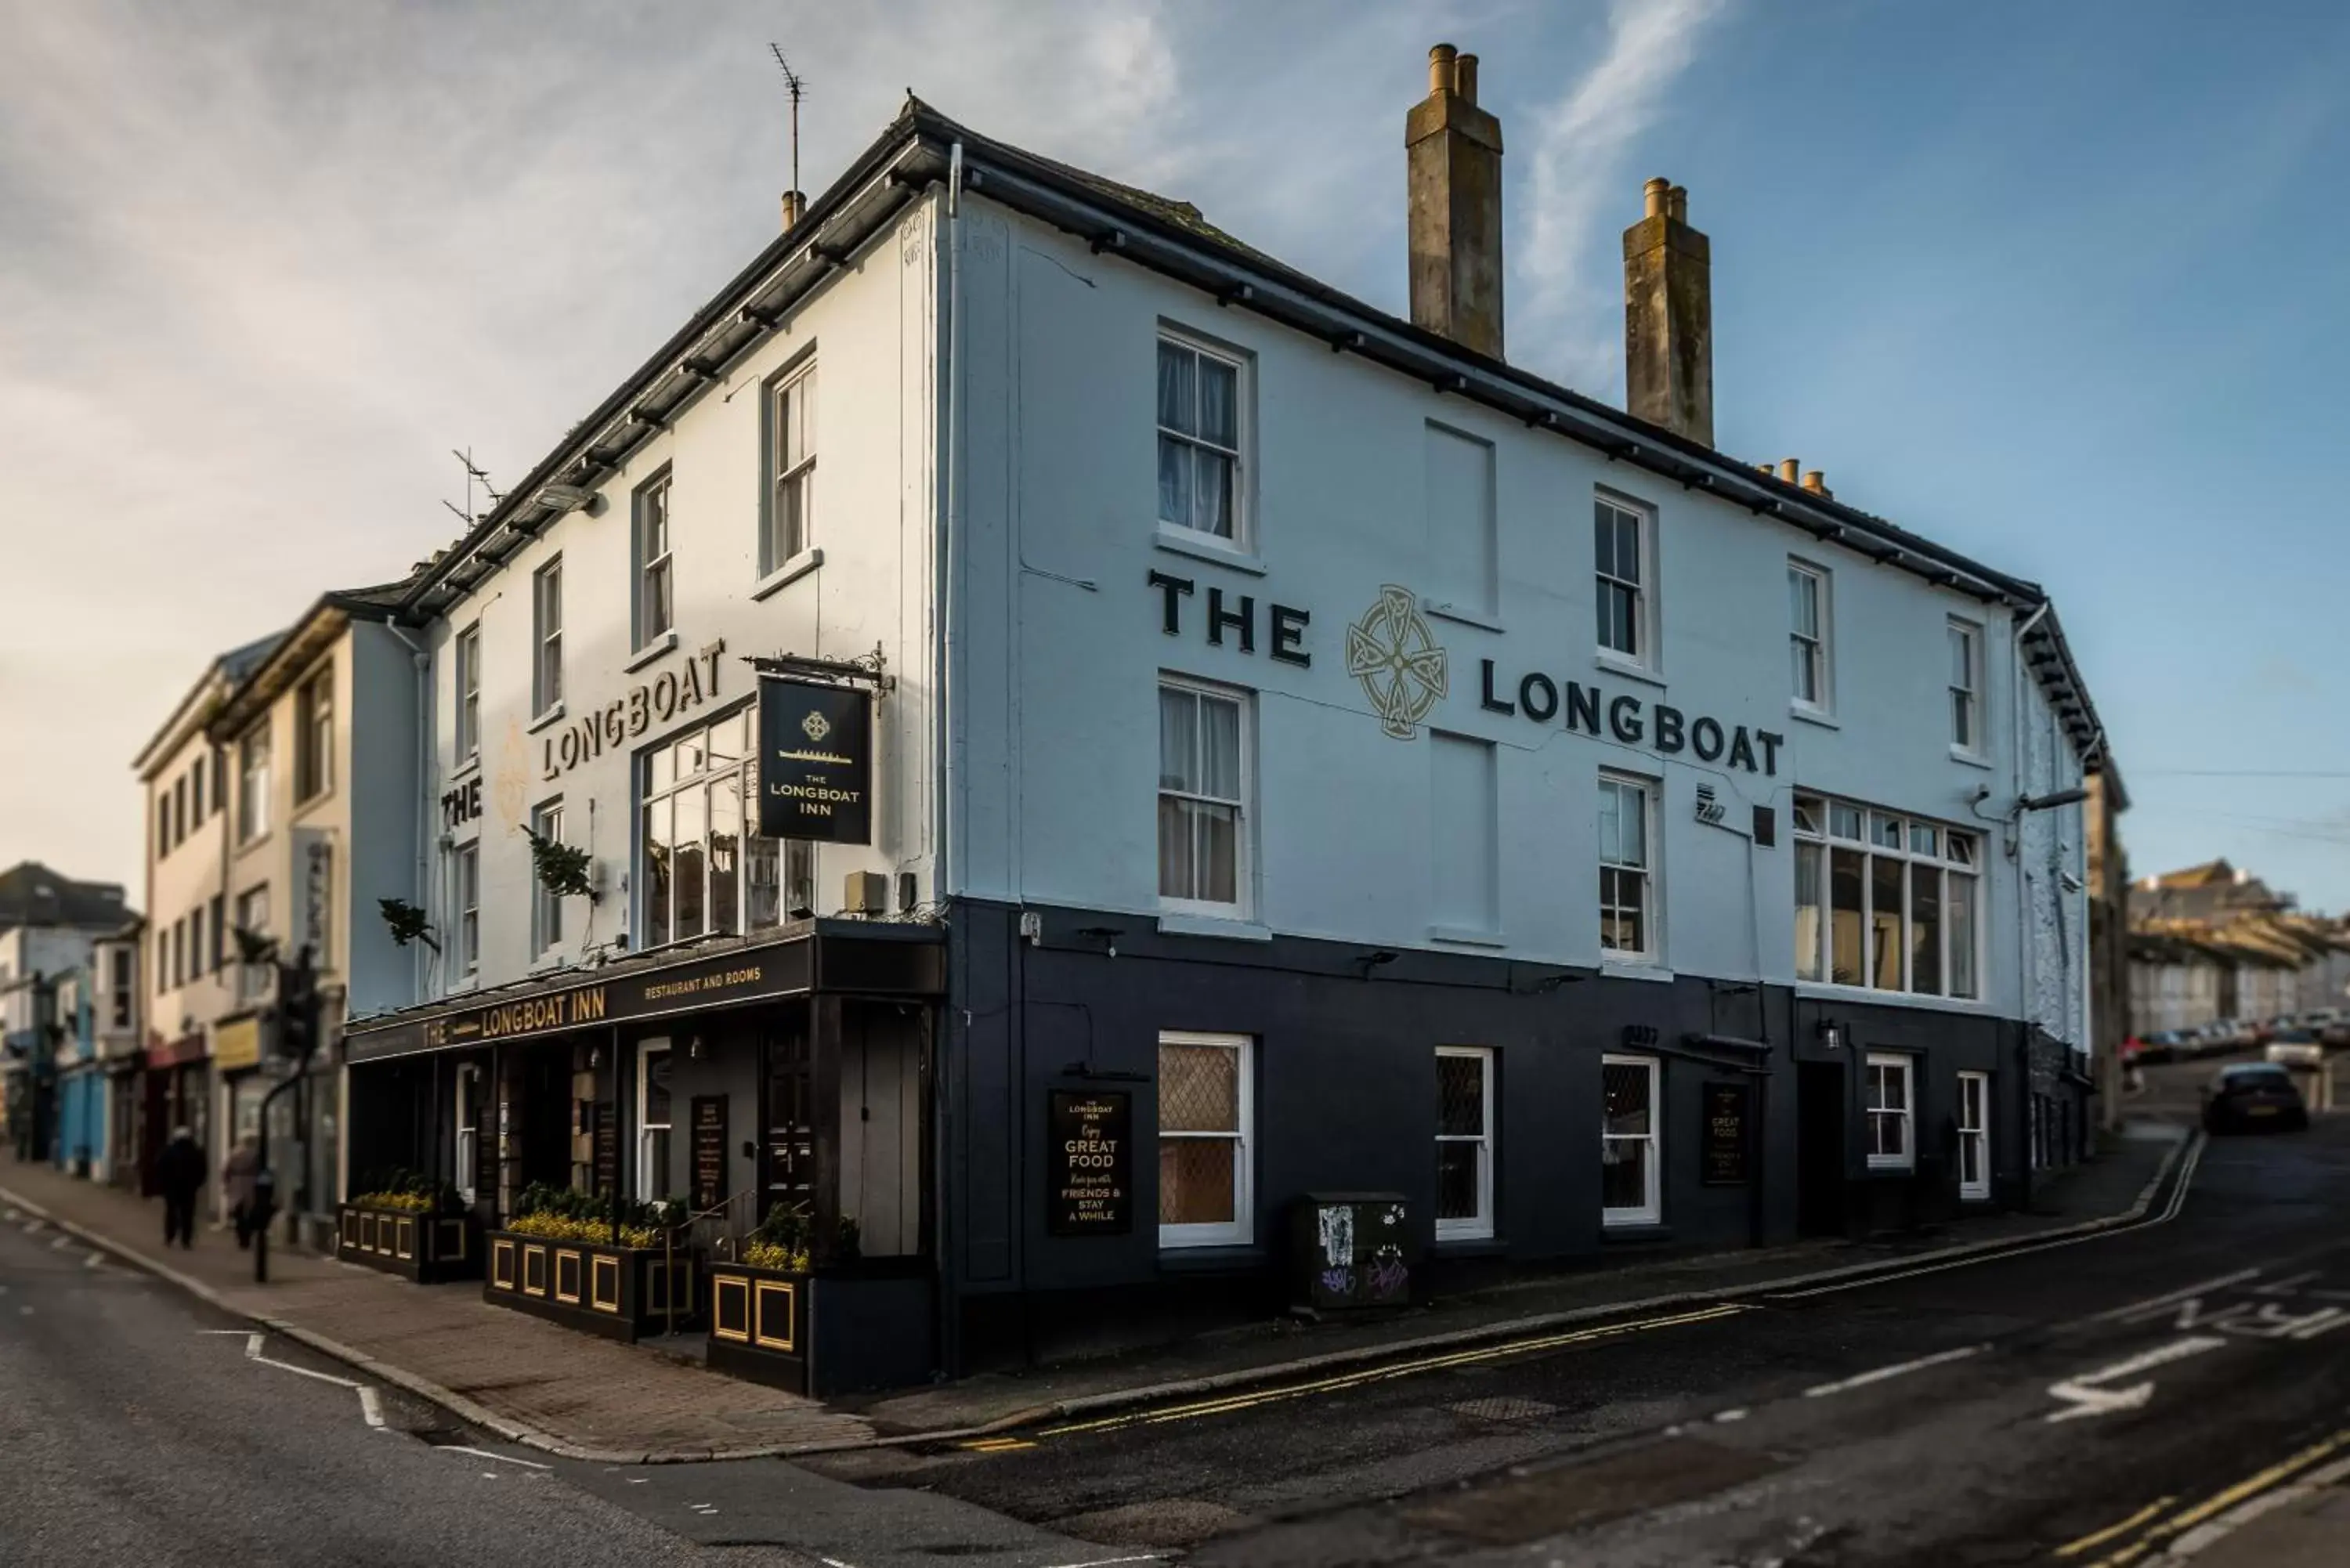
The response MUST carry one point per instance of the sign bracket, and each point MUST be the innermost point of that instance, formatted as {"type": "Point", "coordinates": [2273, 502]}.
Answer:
{"type": "Point", "coordinates": [872, 667]}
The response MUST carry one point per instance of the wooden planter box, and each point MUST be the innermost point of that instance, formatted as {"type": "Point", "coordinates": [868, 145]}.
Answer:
{"type": "Point", "coordinates": [862, 1326]}
{"type": "Point", "coordinates": [425, 1248]}
{"type": "Point", "coordinates": [619, 1292]}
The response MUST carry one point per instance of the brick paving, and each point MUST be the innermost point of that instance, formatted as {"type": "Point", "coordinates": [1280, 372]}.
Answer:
{"type": "Point", "coordinates": [581, 1391]}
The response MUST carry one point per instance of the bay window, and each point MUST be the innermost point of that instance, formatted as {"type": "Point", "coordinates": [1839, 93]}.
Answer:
{"type": "Point", "coordinates": [1884, 901]}
{"type": "Point", "coordinates": [704, 868]}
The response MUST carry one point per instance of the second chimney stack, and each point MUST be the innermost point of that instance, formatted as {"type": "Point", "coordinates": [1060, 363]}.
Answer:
{"type": "Point", "coordinates": [1452, 152]}
{"type": "Point", "coordinates": [1668, 317]}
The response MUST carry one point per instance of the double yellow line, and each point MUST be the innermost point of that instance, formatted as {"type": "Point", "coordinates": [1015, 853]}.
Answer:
{"type": "Point", "coordinates": [2210, 1507]}
{"type": "Point", "coordinates": [1229, 1404]}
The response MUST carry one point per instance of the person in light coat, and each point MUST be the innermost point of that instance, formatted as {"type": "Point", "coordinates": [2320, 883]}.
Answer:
{"type": "Point", "coordinates": [240, 1177]}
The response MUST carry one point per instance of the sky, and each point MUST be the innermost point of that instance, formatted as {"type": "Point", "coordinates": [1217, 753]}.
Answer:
{"type": "Point", "coordinates": [2057, 286]}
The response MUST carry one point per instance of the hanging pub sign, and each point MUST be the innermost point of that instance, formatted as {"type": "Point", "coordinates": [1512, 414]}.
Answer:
{"type": "Point", "coordinates": [1091, 1173]}
{"type": "Point", "coordinates": [1724, 1159]}
{"type": "Point", "coordinates": [816, 761]}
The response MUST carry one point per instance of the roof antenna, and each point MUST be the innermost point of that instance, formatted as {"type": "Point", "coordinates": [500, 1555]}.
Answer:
{"type": "Point", "coordinates": [474, 474]}
{"type": "Point", "coordinates": [799, 90]}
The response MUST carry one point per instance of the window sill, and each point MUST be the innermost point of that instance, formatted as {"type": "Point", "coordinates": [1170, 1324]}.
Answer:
{"type": "Point", "coordinates": [791, 571]}
{"type": "Point", "coordinates": [1467, 937]}
{"type": "Point", "coordinates": [467, 766]}
{"type": "Point", "coordinates": [1482, 1243]}
{"type": "Point", "coordinates": [1820, 990]}
{"type": "Point", "coordinates": [1634, 969]}
{"type": "Point", "coordinates": [546, 718]}
{"type": "Point", "coordinates": [1207, 547]}
{"type": "Point", "coordinates": [247, 845]}
{"type": "Point", "coordinates": [1971, 759]}
{"type": "Point", "coordinates": [666, 642]}
{"type": "Point", "coordinates": [1616, 664]}
{"type": "Point", "coordinates": [1891, 1168]}
{"type": "Point", "coordinates": [1481, 619]}
{"type": "Point", "coordinates": [1206, 1257]}
{"type": "Point", "coordinates": [1809, 715]}
{"type": "Point", "coordinates": [1224, 926]}
{"type": "Point", "coordinates": [1627, 1232]}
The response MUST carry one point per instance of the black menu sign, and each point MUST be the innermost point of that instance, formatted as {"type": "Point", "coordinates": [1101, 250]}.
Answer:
{"type": "Point", "coordinates": [1091, 1172]}
{"type": "Point", "coordinates": [816, 761]}
{"type": "Point", "coordinates": [709, 1152]}
{"type": "Point", "coordinates": [1723, 1160]}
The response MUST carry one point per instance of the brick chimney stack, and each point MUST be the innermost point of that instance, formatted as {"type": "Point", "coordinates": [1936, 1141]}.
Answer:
{"type": "Point", "coordinates": [1668, 317]}
{"type": "Point", "coordinates": [1453, 159]}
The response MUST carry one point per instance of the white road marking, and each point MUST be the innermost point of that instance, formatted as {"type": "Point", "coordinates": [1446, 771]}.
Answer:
{"type": "Point", "coordinates": [1883, 1373]}
{"type": "Point", "coordinates": [2084, 1396]}
{"type": "Point", "coordinates": [1729, 1415]}
{"type": "Point", "coordinates": [94, 1260]}
{"type": "Point", "coordinates": [33, 1225]}
{"type": "Point", "coordinates": [2153, 1304]}
{"type": "Point", "coordinates": [61, 1244]}
{"type": "Point", "coordinates": [833, 1562]}
{"type": "Point", "coordinates": [2285, 1287]}
{"type": "Point", "coordinates": [501, 1458]}
{"type": "Point", "coordinates": [1097, 1561]}
{"type": "Point", "coordinates": [370, 1407]}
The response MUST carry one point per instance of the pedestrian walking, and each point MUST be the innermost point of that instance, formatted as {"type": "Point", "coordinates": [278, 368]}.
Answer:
{"type": "Point", "coordinates": [180, 1172]}
{"type": "Point", "coordinates": [240, 1177]}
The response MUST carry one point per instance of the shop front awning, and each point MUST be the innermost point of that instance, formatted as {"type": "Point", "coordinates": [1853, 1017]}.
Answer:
{"type": "Point", "coordinates": [841, 958]}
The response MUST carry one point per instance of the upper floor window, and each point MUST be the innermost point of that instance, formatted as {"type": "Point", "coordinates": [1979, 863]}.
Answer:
{"type": "Point", "coordinates": [252, 980]}
{"type": "Point", "coordinates": [1965, 684]}
{"type": "Point", "coordinates": [791, 469]}
{"type": "Point", "coordinates": [656, 609]}
{"type": "Point", "coordinates": [1627, 869]}
{"type": "Point", "coordinates": [180, 810]}
{"type": "Point", "coordinates": [162, 824]}
{"type": "Point", "coordinates": [1200, 438]}
{"type": "Point", "coordinates": [117, 971]}
{"type": "Point", "coordinates": [469, 693]}
{"type": "Point", "coordinates": [547, 631]}
{"type": "Point", "coordinates": [705, 869]}
{"type": "Point", "coordinates": [469, 907]}
{"type": "Point", "coordinates": [1807, 635]}
{"type": "Point", "coordinates": [1623, 577]}
{"type": "Point", "coordinates": [196, 794]}
{"type": "Point", "coordinates": [546, 908]}
{"type": "Point", "coordinates": [253, 783]}
{"type": "Point", "coordinates": [1886, 901]}
{"type": "Point", "coordinates": [1203, 798]}
{"type": "Point", "coordinates": [314, 735]}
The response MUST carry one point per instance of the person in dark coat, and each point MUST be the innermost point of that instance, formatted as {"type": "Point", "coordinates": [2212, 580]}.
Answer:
{"type": "Point", "coordinates": [180, 1172]}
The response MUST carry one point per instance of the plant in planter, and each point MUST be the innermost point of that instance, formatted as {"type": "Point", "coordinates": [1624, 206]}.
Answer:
{"type": "Point", "coordinates": [566, 1214]}
{"type": "Point", "coordinates": [408, 1190]}
{"type": "Point", "coordinates": [785, 1239]}
{"type": "Point", "coordinates": [407, 922]}
{"type": "Point", "coordinates": [564, 869]}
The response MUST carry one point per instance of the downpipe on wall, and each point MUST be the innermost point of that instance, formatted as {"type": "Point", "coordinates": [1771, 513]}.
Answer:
{"type": "Point", "coordinates": [944, 1077]}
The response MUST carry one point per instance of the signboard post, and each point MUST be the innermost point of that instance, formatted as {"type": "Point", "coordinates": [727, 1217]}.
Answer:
{"type": "Point", "coordinates": [1090, 1180]}
{"type": "Point", "coordinates": [816, 761]}
{"type": "Point", "coordinates": [1725, 1144]}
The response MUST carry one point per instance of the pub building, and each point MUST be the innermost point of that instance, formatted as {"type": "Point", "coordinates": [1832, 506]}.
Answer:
{"type": "Point", "coordinates": [1258, 801]}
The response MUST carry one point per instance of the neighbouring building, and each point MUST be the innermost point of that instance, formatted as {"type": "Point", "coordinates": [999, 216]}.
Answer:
{"type": "Point", "coordinates": [51, 928]}
{"type": "Point", "coordinates": [2110, 965]}
{"type": "Point", "coordinates": [2213, 892]}
{"type": "Point", "coordinates": [1036, 728]}
{"type": "Point", "coordinates": [195, 791]}
{"type": "Point", "coordinates": [321, 733]}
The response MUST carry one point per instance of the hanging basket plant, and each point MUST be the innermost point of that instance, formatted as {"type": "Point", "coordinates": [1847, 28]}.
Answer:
{"type": "Point", "coordinates": [407, 922]}
{"type": "Point", "coordinates": [563, 870]}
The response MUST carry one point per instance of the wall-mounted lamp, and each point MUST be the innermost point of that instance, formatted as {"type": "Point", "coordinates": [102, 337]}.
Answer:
{"type": "Point", "coordinates": [1374, 959]}
{"type": "Point", "coordinates": [1831, 1034]}
{"type": "Point", "coordinates": [1107, 934]}
{"type": "Point", "coordinates": [2050, 802]}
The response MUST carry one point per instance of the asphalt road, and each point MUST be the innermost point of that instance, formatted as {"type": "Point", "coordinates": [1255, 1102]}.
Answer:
{"type": "Point", "coordinates": [1984, 1414]}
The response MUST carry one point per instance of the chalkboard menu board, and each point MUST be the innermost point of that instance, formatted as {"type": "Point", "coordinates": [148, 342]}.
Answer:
{"type": "Point", "coordinates": [1091, 1172]}
{"type": "Point", "coordinates": [606, 1128]}
{"type": "Point", "coordinates": [1724, 1144]}
{"type": "Point", "coordinates": [709, 1152]}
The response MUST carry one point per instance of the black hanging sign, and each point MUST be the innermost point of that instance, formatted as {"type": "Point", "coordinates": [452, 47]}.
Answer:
{"type": "Point", "coordinates": [816, 761]}
{"type": "Point", "coordinates": [1091, 1172]}
{"type": "Point", "coordinates": [1724, 1144]}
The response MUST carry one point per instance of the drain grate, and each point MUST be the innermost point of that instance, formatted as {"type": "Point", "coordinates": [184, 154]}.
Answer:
{"type": "Point", "coordinates": [1500, 1408]}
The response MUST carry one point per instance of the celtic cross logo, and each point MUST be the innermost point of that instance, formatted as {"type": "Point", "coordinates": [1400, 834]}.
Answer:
{"type": "Point", "coordinates": [1391, 652]}
{"type": "Point", "coordinates": [815, 726]}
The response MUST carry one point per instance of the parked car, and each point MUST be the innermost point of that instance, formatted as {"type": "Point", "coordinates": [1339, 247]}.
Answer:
{"type": "Point", "coordinates": [2162, 1046]}
{"type": "Point", "coordinates": [2330, 1024]}
{"type": "Point", "coordinates": [2253, 1095]}
{"type": "Point", "coordinates": [2296, 1048]}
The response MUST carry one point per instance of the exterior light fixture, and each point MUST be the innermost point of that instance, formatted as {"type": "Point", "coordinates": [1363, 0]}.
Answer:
{"type": "Point", "coordinates": [1831, 1034]}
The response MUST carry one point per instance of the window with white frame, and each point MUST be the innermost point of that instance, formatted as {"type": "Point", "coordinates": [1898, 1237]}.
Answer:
{"type": "Point", "coordinates": [1619, 535]}
{"type": "Point", "coordinates": [1892, 1109]}
{"type": "Point", "coordinates": [704, 870]}
{"type": "Point", "coordinates": [469, 693]}
{"type": "Point", "coordinates": [1974, 1135]}
{"type": "Point", "coordinates": [196, 794]}
{"type": "Point", "coordinates": [545, 904]}
{"type": "Point", "coordinates": [1886, 901]}
{"type": "Point", "coordinates": [1200, 479]}
{"type": "Point", "coordinates": [180, 810]}
{"type": "Point", "coordinates": [252, 980]}
{"type": "Point", "coordinates": [1627, 867]}
{"type": "Point", "coordinates": [655, 605]}
{"type": "Point", "coordinates": [1966, 685]}
{"type": "Point", "coordinates": [1205, 1111]}
{"type": "Point", "coordinates": [1631, 1173]}
{"type": "Point", "coordinates": [469, 907]}
{"type": "Point", "coordinates": [1203, 777]}
{"type": "Point", "coordinates": [469, 1129]}
{"type": "Point", "coordinates": [790, 468]}
{"type": "Point", "coordinates": [654, 1121]}
{"type": "Point", "coordinates": [119, 966]}
{"type": "Point", "coordinates": [314, 735]}
{"type": "Point", "coordinates": [546, 630]}
{"type": "Point", "coordinates": [163, 822]}
{"type": "Point", "coordinates": [253, 783]}
{"type": "Point", "coordinates": [1464, 1141]}
{"type": "Point", "coordinates": [1807, 636]}
{"type": "Point", "coordinates": [196, 942]}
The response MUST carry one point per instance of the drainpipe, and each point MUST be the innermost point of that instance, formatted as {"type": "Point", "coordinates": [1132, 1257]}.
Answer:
{"type": "Point", "coordinates": [422, 662]}
{"type": "Point", "coordinates": [943, 1077]}
{"type": "Point", "coordinates": [2024, 967]}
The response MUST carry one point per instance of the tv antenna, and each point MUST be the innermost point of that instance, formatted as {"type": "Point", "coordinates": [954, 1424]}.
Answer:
{"type": "Point", "coordinates": [474, 474]}
{"type": "Point", "coordinates": [799, 90]}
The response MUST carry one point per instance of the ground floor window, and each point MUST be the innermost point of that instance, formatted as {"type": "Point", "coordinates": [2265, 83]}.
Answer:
{"type": "Point", "coordinates": [1974, 1135]}
{"type": "Point", "coordinates": [469, 1130]}
{"type": "Point", "coordinates": [652, 1120]}
{"type": "Point", "coordinates": [1205, 1110]}
{"type": "Point", "coordinates": [1464, 1141]}
{"type": "Point", "coordinates": [1631, 1179]}
{"type": "Point", "coordinates": [1892, 1113]}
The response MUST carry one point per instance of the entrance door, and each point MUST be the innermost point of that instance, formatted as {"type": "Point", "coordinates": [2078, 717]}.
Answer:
{"type": "Point", "coordinates": [1820, 1130]}
{"type": "Point", "coordinates": [787, 1160]}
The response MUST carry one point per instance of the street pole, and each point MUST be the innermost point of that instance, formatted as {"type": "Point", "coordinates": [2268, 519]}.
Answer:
{"type": "Point", "coordinates": [298, 1027]}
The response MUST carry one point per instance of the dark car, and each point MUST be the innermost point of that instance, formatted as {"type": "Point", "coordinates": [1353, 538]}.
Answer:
{"type": "Point", "coordinates": [2253, 1095]}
